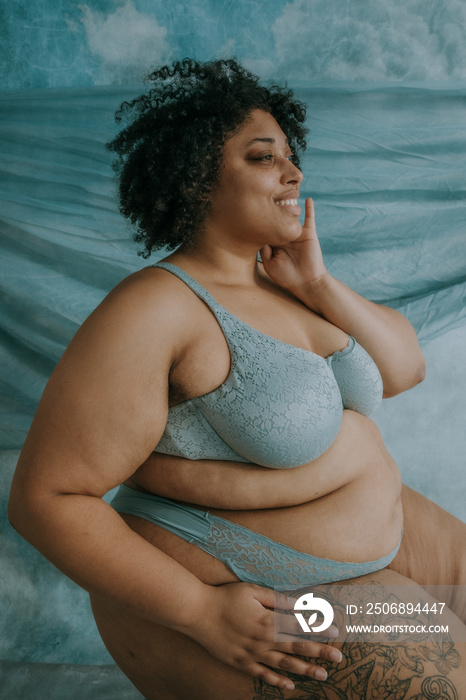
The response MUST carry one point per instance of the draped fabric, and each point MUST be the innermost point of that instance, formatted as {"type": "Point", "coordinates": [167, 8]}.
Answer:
{"type": "Point", "coordinates": [384, 165]}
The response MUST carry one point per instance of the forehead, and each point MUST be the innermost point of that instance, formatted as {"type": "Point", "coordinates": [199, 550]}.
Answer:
{"type": "Point", "coordinates": [259, 127]}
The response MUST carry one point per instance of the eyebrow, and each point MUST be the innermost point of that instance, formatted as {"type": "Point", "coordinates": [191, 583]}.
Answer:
{"type": "Point", "coordinates": [263, 139]}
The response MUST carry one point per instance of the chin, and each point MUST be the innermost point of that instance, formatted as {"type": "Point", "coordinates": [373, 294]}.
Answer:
{"type": "Point", "coordinates": [281, 237]}
{"type": "Point", "coordinates": [291, 235]}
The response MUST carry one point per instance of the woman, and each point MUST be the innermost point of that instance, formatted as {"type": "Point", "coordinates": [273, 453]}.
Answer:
{"type": "Point", "coordinates": [250, 369]}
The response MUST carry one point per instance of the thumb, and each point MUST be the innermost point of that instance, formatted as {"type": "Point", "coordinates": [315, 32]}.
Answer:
{"type": "Point", "coordinates": [273, 599]}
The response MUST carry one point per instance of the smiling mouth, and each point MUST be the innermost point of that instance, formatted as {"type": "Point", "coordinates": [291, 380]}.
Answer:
{"type": "Point", "coordinates": [286, 202]}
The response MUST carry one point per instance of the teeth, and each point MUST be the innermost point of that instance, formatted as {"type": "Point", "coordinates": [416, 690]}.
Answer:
{"type": "Point", "coordinates": [287, 202]}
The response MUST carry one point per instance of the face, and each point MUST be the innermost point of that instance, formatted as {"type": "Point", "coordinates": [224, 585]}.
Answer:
{"type": "Point", "coordinates": [255, 200]}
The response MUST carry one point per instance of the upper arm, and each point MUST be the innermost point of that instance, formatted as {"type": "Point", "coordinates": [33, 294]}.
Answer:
{"type": "Point", "coordinates": [105, 405]}
{"type": "Point", "coordinates": [403, 363]}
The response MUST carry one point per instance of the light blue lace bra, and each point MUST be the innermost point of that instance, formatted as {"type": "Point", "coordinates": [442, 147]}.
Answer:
{"type": "Point", "coordinates": [280, 406]}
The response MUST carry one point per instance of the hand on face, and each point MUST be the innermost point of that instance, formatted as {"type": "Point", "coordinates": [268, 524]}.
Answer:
{"type": "Point", "coordinates": [298, 262]}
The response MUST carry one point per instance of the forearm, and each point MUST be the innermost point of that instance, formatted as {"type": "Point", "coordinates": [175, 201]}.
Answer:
{"type": "Point", "coordinates": [219, 484]}
{"type": "Point", "coordinates": [87, 540]}
{"type": "Point", "coordinates": [384, 333]}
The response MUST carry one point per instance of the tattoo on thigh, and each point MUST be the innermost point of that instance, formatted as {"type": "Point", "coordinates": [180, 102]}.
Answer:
{"type": "Point", "coordinates": [398, 670]}
{"type": "Point", "coordinates": [371, 671]}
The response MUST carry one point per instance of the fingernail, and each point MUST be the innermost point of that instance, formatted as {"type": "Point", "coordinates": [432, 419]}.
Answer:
{"type": "Point", "coordinates": [321, 675]}
{"type": "Point", "coordinates": [333, 631]}
{"type": "Point", "coordinates": [336, 655]}
{"type": "Point", "coordinates": [289, 685]}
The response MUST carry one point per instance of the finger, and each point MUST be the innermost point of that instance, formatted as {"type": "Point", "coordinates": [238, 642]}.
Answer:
{"type": "Point", "coordinates": [266, 254]}
{"type": "Point", "coordinates": [271, 599]}
{"type": "Point", "coordinates": [286, 623]}
{"type": "Point", "coordinates": [309, 215]}
{"type": "Point", "coordinates": [291, 664]}
{"type": "Point", "coordinates": [269, 676]}
{"type": "Point", "coordinates": [312, 650]}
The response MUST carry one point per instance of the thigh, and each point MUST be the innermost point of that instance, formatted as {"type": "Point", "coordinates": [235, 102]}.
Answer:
{"type": "Point", "coordinates": [166, 665]}
{"type": "Point", "coordinates": [433, 548]}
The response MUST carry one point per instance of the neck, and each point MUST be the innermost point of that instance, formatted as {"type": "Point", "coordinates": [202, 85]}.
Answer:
{"type": "Point", "coordinates": [225, 264]}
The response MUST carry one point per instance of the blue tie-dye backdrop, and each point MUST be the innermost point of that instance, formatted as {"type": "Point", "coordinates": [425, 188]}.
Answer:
{"type": "Point", "coordinates": [57, 43]}
{"type": "Point", "coordinates": [386, 85]}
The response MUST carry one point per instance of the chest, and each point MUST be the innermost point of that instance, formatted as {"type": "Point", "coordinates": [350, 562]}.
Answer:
{"type": "Point", "coordinates": [279, 406]}
{"type": "Point", "coordinates": [268, 389]}
{"type": "Point", "coordinates": [206, 360]}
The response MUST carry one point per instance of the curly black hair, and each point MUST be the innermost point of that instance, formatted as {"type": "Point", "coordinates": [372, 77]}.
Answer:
{"type": "Point", "coordinates": [170, 151]}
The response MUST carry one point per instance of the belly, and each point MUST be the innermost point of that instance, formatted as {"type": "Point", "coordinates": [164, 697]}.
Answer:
{"type": "Point", "coordinates": [361, 520]}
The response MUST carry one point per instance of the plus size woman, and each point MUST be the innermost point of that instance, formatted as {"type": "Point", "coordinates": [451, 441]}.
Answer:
{"type": "Point", "coordinates": [228, 389]}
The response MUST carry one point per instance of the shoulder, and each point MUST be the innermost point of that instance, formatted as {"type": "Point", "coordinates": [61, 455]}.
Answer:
{"type": "Point", "coordinates": [141, 323]}
{"type": "Point", "coordinates": [150, 303]}
{"type": "Point", "coordinates": [152, 291]}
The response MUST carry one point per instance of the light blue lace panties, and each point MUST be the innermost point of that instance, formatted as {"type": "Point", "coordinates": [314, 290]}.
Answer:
{"type": "Point", "coordinates": [251, 556]}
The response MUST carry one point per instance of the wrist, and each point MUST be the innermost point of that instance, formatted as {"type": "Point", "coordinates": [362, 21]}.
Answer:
{"type": "Point", "coordinates": [201, 604]}
{"type": "Point", "coordinates": [312, 292]}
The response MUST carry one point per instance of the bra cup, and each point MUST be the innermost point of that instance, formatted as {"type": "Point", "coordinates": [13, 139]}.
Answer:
{"type": "Point", "coordinates": [358, 379]}
{"type": "Point", "coordinates": [189, 434]}
{"type": "Point", "coordinates": [282, 406]}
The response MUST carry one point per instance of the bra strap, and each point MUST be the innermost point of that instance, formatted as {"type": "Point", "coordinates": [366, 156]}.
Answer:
{"type": "Point", "coordinates": [197, 288]}
{"type": "Point", "coordinates": [225, 320]}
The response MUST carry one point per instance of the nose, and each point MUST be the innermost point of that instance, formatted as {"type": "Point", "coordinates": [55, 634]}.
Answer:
{"type": "Point", "coordinates": [291, 173]}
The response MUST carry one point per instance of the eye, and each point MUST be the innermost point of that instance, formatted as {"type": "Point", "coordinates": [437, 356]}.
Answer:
{"type": "Point", "coordinates": [270, 157]}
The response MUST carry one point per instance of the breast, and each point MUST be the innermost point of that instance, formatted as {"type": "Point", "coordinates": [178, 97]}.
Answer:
{"type": "Point", "coordinates": [280, 416]}
{"type": "Point", "coordinates": [280, 406]}
{"type": "Point", "coordinates": [276, 409]}
{"type": "Point", "coordinates": [358, 378]}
